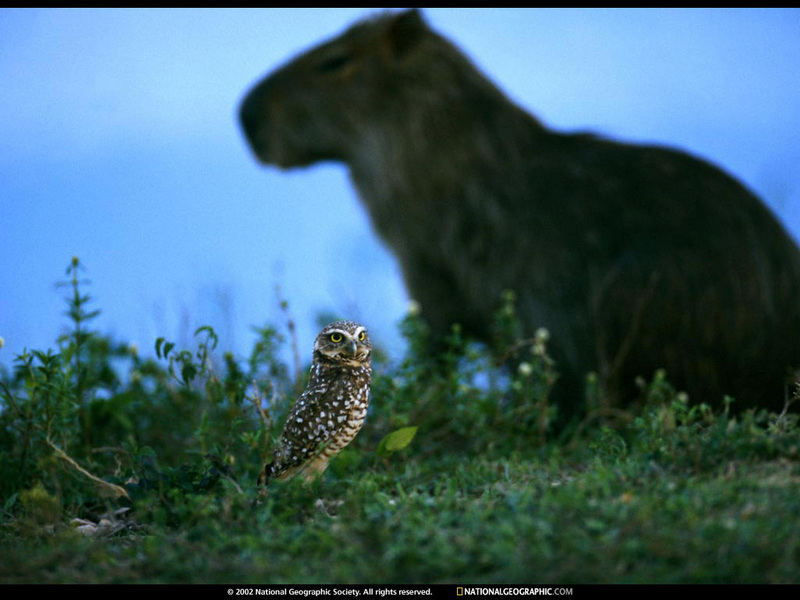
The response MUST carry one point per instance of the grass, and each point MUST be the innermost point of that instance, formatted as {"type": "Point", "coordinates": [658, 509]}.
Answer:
{"type": "Point", "coordinates": [121, 469]}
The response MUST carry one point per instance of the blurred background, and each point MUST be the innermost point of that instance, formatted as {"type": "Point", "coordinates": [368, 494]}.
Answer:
{"type": "Point", "coordinates": [119, 144]}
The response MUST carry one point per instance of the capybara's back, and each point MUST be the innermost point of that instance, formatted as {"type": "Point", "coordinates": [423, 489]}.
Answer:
{"type": "Point", "coordinates": [634, 257]}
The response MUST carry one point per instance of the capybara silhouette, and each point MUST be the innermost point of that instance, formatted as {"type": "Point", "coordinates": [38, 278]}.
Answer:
{"type": "Point", "coordinates": [634, 257]}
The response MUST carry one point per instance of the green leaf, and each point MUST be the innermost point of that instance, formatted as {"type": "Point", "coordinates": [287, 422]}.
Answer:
{"type": "Point", "coordinates": [188, 372]}
{"type": "Point", "coordinates": [397, 440]}
{"type": "Point", "coordinates": [163, 347]}
{"type": "Point", "coordinates": [10, 502]}
{"type": "Point", "coordinates": [143, 451]}
{"type": "Point", "coordinates": [212, 335]}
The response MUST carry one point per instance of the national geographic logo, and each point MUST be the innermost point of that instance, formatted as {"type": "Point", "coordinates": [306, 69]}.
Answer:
{"type": "Point", "coordinates": [513, 591]}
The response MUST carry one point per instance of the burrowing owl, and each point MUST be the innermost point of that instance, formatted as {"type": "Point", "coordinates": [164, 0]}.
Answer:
{"type": "Point", "coordinates": [329, 413]}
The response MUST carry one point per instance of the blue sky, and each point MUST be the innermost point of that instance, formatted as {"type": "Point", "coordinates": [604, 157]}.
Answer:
{"type": "Point", "coordinates": [119, 144]}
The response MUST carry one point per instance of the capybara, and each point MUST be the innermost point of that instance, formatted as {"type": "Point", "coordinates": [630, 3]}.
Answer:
{"type": "Point", "coordinates": [634, 257]}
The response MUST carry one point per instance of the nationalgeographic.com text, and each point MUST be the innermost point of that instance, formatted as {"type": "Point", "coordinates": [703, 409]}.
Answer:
{"type": "Point", "coordinates": [515, 591]}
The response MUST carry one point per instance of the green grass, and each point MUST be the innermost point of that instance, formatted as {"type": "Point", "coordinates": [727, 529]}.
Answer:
{"type": "Point", "coordinates": [116, 468]}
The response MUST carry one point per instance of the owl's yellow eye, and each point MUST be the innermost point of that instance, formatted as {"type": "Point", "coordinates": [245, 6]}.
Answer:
{"type": "Point", "coordinates": [336, 338]}
{"type": "Point", "coordinates": [362, 336]}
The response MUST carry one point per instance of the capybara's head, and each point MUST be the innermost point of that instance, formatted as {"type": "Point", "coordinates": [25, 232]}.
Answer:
{"type": "Point", "coordinates": [328, 102]}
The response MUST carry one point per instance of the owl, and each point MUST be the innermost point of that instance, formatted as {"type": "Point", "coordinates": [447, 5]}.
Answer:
{"type": "Point", "coordinates": [329, 413]}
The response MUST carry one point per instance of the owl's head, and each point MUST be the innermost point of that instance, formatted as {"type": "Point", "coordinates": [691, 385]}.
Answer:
{"type": "Point", "coordinates": [344, 342]}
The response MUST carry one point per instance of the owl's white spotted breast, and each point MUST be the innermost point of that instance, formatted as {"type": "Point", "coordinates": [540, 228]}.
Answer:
{"type": "Point", "coordinates": [325, 418]}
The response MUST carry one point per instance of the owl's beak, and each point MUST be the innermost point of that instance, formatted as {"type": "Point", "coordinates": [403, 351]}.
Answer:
{"type": "Point", "coordinates": [352, 348]}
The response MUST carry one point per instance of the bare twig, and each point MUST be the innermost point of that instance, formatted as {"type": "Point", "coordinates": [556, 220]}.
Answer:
{"type": "Point", "coordinates": [292, 332]}
{"type": "Point", "coordinates": [118, 491]}
{"type": "Point", "coordinates": [620, 415]}
{"type": "Point", "coordinates": [255, 399]}
{"type": "Point", "coordinates": [513, 349]}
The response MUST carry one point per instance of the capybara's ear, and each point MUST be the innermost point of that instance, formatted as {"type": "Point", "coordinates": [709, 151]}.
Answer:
{"type": "Point", "coordinates": [404, 31]}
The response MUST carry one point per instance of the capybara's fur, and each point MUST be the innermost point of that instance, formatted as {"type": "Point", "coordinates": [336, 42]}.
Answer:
{"type": "Point", "coordinates": [634, 257]}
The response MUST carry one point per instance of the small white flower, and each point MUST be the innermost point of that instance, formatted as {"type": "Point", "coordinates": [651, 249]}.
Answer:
{"type": "Point", "coordinates": [414, 308]}
{"type": "Point", "coordinates": [539, 347]}
{"type": "Point", "coordinates": [525, 369]}
{"type": "Point", "coordinates": [133, 348]}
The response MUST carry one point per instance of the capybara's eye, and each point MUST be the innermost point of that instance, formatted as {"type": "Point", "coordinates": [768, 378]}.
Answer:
{"type": "Point", "coordinates": [333, 63]}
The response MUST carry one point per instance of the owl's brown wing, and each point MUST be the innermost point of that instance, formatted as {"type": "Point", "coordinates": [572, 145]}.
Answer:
{"type": "Point", "coordinates": [317, 418]}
